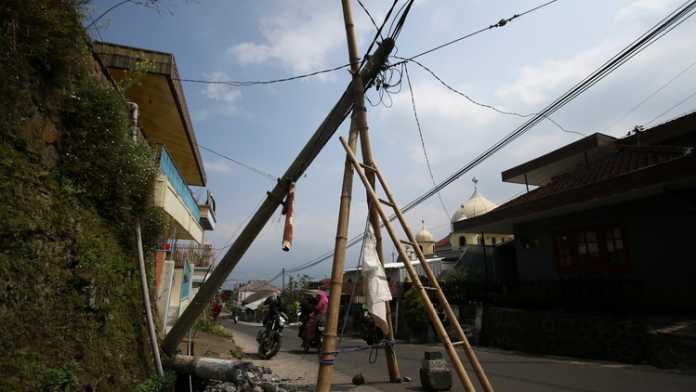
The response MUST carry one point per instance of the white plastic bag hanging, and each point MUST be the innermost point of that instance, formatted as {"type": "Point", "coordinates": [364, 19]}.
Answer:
{"type": "Point", "coordinates": [377, 287]}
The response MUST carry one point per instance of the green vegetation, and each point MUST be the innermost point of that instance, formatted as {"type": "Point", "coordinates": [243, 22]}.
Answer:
{"type": "Point", "coordinates": [72, 185]}
{"type": "Point", "coordinates": [205, 323]}
{"type": "Point", "coordinates": [414, 312]}
{"type": "Point", "coordinates": [157, 384]}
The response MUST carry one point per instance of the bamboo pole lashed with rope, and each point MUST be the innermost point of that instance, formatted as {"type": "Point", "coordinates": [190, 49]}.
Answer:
{"type": "Point", "coordinates": [358, 126]}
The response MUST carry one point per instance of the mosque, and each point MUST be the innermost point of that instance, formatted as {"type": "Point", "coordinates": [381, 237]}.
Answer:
{"type": "Point", "coordinates": [454, 243]}
{"type": "Point", "coordinates": [457, 248]}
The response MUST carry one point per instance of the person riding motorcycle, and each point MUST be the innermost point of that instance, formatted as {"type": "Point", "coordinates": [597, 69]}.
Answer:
{"type": "Point", "coordinates": [269, 337]}
{"type": "Point", "coordinates": [275, 307]}
{"type": "Point", "coordinates": [316, 318]}
{"type": "Point", "coordinates": [306, 308]}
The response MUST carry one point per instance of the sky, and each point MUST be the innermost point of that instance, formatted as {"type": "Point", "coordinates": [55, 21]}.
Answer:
{"type": "Point", "coordinates": [521, 67]}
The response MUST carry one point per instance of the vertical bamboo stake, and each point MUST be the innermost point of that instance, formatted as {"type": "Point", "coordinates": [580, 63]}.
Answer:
{"type": "Point", "coordinates": [327, 357]}
{"type": "Point", "coordinates": [363, 129]}
{"type": "Point", "coordinates": [146, 301]}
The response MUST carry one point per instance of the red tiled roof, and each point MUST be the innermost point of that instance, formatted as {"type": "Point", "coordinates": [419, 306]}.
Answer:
{"type": "Point", "coordinates": [443, 242]}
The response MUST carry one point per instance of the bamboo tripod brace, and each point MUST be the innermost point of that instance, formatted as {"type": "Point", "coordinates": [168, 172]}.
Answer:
{"type": "Point", "coordinates": [450, 346]}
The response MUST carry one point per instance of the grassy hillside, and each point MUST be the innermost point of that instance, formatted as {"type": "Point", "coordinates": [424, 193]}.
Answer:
{"type": "Point", "coordinates": [72, 186]}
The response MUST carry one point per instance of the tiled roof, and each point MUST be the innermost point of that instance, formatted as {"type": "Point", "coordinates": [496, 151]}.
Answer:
{"type": "Point", "coordinates": [258, 285]}
{"type": "Point", "coordinates": [626, 160]}
{"type": "Point", "coordinates": [628, 168]}
{"type": "Point", "coordinates": [443, 242]}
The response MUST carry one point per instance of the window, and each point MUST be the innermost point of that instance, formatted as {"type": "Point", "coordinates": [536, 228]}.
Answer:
{"type": "Point", "coordinates": [599, 249]}
{"type": "Point", "coordinates": [565, 254]}
{"type": "Point", "coordinates": [462, 241]}
{"type": "Point", "coordinates": [615, 246]}
{"type": "Point", "coordinates": [588, 247]}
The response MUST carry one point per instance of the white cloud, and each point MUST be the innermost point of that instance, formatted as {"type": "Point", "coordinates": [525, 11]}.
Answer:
{"type": "Point", "coordinates": [301, 36]}
{"type": "Point", "coordinates": [217, 167]}
{"type": "Point", "coordinates": [227, 97]}
{"type": "Point", "coordinates": [221, 92]}
{"type": "Point", "coordinates": [538, 83]}
{"type": "Point", "coordinates": [642, 10]}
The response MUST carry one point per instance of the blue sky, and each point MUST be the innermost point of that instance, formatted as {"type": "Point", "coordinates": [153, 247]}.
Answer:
{"type": "Point", "coordinates": [521, 67]}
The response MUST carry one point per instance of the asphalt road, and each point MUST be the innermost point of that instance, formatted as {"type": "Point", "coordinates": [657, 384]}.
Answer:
{"type": "Point", "coordinates": [507, 371]}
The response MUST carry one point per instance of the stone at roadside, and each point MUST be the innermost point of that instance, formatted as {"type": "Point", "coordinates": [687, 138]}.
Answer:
{"type": "Point", "coordinates": [435, 374]}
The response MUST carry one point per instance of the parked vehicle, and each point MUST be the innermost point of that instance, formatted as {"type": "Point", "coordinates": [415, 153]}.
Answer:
{"type": "Point", "coordinates": [269, 338]}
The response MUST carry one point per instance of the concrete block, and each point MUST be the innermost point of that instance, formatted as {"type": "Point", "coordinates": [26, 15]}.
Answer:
{"type": "Point", "coordinates": [435, 374]}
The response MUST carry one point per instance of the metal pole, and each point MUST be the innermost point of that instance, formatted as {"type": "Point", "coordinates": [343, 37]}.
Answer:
{"type": "Point", "coordinates": [485, 267]}
{"type": "Point", "coordinates": [146, 301]}
{"type": "Point", "coordinates": [315, 144]}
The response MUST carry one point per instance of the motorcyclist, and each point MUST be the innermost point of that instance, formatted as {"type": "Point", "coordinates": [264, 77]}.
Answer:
{"type": "Point", "coordinates": [317, 316]}
{"type": "Point", "coordinates": [274, 308]}
{"type": "Point", "coordinates": [306, 308]}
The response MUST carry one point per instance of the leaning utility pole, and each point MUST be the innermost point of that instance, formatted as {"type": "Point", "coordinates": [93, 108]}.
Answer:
{"type": "Point", "coordinates": [252, 229]}
{"type": "Point", "coordinates": [358, 127]}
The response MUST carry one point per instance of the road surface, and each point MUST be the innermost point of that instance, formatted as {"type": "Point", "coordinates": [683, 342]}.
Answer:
{"type": "Point", "coordinates": [507, 371]}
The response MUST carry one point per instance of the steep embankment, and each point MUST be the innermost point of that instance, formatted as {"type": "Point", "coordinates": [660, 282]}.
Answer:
{"type": "Point", "coordinates": [71, 187]}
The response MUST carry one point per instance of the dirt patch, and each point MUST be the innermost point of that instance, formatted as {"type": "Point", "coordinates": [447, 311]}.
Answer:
{"type": "Point", "coordinates": [295, 367]}
{"type": "Point", "coordinates": [209, 345]}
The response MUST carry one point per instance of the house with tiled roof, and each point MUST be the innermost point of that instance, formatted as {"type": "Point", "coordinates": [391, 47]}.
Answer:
{"type": "Point", "coordinates": [605, 221]}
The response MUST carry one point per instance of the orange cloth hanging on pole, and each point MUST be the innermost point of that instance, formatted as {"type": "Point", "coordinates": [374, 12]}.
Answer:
{"type": "Point", "coordinates": [289, 212]}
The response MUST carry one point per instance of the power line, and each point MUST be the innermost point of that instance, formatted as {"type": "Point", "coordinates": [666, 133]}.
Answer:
{"type": "Point", "coordinates": [241, 224]}
{"type": "Point", "coordinates": [420, 134]}
{"type": "Point", "coordinates": [103, 14]}
{"type": "Point", "coordinates": [247, 83]}
{"type": "Point", "coordinates": [658, 31]}
{"type": "Point", "coordinates": [369, 15]}
{"type": "Point", "coordinates": [654, 93]}
{"type": "Point", "coordinates": [242, 164]}
{"type": "Point", "coordinates": [681, 102]}
{"type": "Point", "coordinates": [487, 106]}
{"type": "Point", "coordinates": [645, 40]}
{"type": "Point", "coordinates": [500, 23]}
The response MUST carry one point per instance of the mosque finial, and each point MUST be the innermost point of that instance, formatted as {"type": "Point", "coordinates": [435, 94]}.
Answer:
{"type": "Point", "coordinates": [475, 181]}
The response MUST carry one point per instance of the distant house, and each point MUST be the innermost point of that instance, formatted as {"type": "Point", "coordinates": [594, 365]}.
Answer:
{"type": "Point", "coordinates": [609, 223]}
{"type": "Point", "coordinates": [161, 120]}
{"type": "Point", "coordinates": [252, 295]}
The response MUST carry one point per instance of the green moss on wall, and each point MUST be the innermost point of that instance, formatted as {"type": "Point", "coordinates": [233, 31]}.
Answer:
{"type": "Point", "coordinates": [71, 313]}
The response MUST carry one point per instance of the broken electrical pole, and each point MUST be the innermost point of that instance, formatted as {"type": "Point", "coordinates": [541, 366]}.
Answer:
{"type": "Point", "coordinates": [252, 229]}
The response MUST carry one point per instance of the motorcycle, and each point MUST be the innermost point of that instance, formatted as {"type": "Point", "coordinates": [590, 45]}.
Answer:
{"type": "Point", "coordinates": [369, 331]}
{"type": "Point", "coordinates": [269, 337]}
{"type": "Point", "coordinates": [315, 339]}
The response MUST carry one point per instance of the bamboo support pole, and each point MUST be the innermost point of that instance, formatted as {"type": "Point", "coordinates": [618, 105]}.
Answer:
{"type": "Point", "coordinates": [468, 350]}
{"type": "Point", "coordinates": [146, 301]}
{"type": "Point", "coordinates": [252, 229]}
{"type": "Point", "coordinates": [325, 375]}
{"type": "Point", "coordinates": [430, 309]}
{"type": "Point", "coordinates": [363, 129]}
